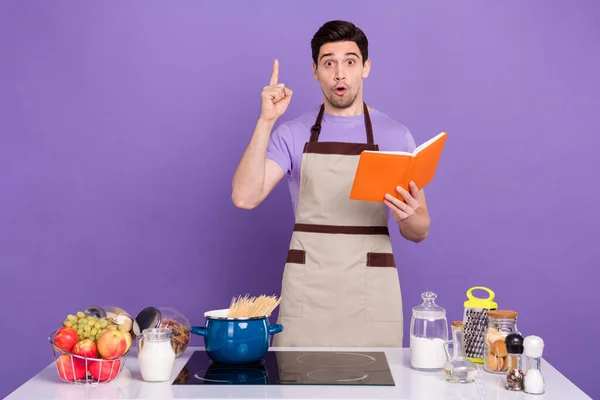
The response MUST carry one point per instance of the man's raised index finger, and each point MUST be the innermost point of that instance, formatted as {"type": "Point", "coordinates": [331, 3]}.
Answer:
{"type": "Point", "coordinates": [275, 74]}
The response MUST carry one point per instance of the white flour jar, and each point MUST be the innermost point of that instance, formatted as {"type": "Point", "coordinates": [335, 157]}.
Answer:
{"type": "Point", "coordinates": [428, 334]}
{"type": "Point", "coordinates": [155, 354]}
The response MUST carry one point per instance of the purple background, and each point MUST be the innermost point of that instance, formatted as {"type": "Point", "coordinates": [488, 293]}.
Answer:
{"type": "Point", "coordinates": [121, 126]}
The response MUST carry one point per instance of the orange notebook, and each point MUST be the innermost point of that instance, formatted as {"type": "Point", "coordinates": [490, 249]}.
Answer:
{"type": "Point", "coordinates": [379, 172]}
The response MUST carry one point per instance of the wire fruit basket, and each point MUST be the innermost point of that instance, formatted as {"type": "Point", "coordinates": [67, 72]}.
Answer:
{"type": "Point", "coordinates": [76, 369]}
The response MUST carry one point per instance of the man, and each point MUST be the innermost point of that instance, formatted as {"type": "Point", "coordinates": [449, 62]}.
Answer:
{"type": "Point", "coordinates": [340, 286]}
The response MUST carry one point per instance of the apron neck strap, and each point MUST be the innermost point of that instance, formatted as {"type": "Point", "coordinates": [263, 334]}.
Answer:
{"type": "Point", "coordinates": [316, 128]}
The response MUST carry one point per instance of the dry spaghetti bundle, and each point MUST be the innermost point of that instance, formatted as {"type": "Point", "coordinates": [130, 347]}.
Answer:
{"type": "Point", "coordinates": [248, 307]}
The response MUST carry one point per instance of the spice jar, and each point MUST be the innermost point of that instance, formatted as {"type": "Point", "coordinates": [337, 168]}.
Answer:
{"type": "Point", "coordinates": [501, 323]}
{"type": "Point", "coordinates": [514, 375]}
{"type": "Point", "coordinates": [165, 317]}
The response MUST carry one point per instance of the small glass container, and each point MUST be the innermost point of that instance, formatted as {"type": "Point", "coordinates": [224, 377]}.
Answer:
{"type": "Point", "coordinates": [155, 354]}
{"type": "Point", "coordinates": [458, 368]}
{"type": "Point", "coordinates": [165, 317]}
{"type": "Point", "coordinates": [501, 323]}
{"type": "Point", "coordinates": [514, 375]}
{"type": "Point", "coordinates": [428, 335]}
{"type": "Point", "coordinates": [533, 383]}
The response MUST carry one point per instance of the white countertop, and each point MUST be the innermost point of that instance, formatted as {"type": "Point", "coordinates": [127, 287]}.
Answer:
{"type": "Point", "coordinates": [410, 384]}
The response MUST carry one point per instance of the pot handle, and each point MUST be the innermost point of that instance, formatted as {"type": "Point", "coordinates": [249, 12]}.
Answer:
{"type": "Point", "coordinates": [199, 330]}
{"type": "Point", "coordinates": [275, 328]}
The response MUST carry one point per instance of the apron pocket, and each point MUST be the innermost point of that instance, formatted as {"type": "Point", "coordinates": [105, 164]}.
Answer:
{"type": "Point", "coordinates": [380, 260]}
{"type": "Point", "coordinates": [292, 287]}
{"type": "Point", "coordinates": [384, 301]}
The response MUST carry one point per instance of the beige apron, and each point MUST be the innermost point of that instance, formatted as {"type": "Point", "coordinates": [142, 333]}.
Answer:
{"type": "Point", "coordinates": [340, 285]}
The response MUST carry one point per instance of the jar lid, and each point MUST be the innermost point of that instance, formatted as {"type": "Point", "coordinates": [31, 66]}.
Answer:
{"type": "Point", "coordinates": [429, 309]}
{"type": "Point", "coordinates": [95, 311]}
{"type": "Point", "coordinates": [514, 343]}
{"type": "Point", "coordinates": [149, 317]}
{"type": "Point", "coordinates": [502, 314]}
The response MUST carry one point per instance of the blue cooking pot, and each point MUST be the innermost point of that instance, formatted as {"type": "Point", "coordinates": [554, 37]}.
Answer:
{"type": "Point", "coordinates": [236, 340]}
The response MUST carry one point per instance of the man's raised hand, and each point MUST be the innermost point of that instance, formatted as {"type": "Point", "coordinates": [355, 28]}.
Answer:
{"type": "Point", "coordinates": [275, 97]}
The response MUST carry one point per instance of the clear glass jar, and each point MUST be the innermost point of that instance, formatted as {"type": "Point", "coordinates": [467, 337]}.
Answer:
{"type": "Point", "coordinates": [501, 323]}
{"type": "Point", "coordinates": [155, 354]}
{"type": "Point", "coordinates": [458, 368]}
{"type": "Point", "coordinates": [428, 335]}
{"type": "Point", "coordinates": [165, 317]}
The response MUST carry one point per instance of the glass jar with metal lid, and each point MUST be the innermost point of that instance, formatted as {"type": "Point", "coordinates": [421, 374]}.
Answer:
{"type": "Point", "coordinates": [165, 317]}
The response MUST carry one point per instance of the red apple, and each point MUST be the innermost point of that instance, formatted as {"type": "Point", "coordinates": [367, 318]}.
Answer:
{"type": "Point", "coordinates": [111, 344]}
{"type": "Point", "coordinates": [69, 370]}
{"type": "Point", "coordinates": [104, 370]}
{"type": "Point", "coordinates": [85, 348]}
{"type": "Point", "coordinates": [66, 338]}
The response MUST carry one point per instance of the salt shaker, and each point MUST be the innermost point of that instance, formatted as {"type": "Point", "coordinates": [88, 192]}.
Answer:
{"type": "Point", "coordinates": [534, 381]}
{"type": "Point", "coordinates": [514, 348]}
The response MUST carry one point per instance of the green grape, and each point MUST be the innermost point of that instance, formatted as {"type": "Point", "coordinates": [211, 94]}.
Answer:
{"type": "Point", "coordinates": [87, 328]}
{"type": "Point", "coordinates": [94, 331]}
{"type": "Point", "coordinates": [79, 332]}
{"type": "Point", "coordinates": [68, 323]}
{"type": "Point", "coordinates": [80, 314]}
{"type": "Point", "coordinates": [83, 321]}
{"type": "Point", "coordinates": [104, 323]}
{"type": "Point", "coordinates": [85, 334]}
{"type": "Point", "coordinates": [71, 317]}
{"type": "Point", "coordinates": [98, 336]}
{"type": "Point", "coordinates": [97, 325]}
{"type": "Point", "coordinates": [112, 328]}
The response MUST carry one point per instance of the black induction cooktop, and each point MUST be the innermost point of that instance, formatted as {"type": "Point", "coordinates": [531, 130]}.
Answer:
{"type": "Point", "coordinates": [291, 368]}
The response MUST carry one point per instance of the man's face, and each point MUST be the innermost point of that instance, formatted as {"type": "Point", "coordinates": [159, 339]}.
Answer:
{"type": "Point", "coordinates": [340, 72]}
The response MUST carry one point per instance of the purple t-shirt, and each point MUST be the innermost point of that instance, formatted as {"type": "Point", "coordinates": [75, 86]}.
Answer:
{"type": "Point", "coordinates": [287, 140]}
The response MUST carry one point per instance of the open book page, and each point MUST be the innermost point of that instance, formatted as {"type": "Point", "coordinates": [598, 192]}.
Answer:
{"type": "Point", "coordinates": [378, 173]}
{"type": "Point", "coordinates": [429, 142]}
{"type": "Point", "coordinates": [425, 162]}
{"type": "Point", "coordinates": [406, 153]}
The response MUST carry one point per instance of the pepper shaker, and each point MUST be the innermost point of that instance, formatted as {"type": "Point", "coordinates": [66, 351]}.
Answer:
{"type": "Point", "coordinates": [514, 348]}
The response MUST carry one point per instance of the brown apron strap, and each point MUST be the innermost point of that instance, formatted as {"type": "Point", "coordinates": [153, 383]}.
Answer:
{"type": "Point", "coordinates": [316, 128]}
{"type": "Point", "coordinates": [368, 124]}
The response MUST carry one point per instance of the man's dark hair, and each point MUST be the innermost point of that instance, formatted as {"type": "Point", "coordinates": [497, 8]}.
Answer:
{"type": "Point", "coordinates": [338, 31]}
